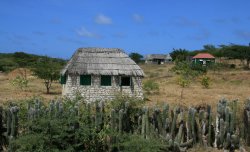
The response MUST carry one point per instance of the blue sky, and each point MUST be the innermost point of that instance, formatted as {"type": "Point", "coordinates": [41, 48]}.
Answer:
{"type": "Point", "coordinates": [58, 27]}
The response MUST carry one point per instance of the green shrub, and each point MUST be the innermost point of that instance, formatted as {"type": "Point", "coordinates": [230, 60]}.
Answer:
{"type": "Point", "coordinates": [135, 143]}
{"type": "Point", "coordinates": [205, 81]}
{"type": "Point", "coordinates": [20, 82]}
{"type": "Point", "coordinates": [151, 87]}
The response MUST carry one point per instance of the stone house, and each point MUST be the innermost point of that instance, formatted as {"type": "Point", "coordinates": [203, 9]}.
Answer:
{"type": "Point", "coordinates": [158, 59]}
{"type": "Point", "coordinates": [100, 74]}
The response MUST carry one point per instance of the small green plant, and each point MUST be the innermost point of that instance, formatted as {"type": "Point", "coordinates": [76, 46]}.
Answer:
{"type": "Point", "coordinates": [205, 81]}
{"type": "Point", "coordinates": [183, 82]}
{"type": "Point", "coordinates": [151, 87]}
{"type": "Point", "coordinates": [20, 82]}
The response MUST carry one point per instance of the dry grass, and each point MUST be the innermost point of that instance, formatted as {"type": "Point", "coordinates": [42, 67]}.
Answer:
{"type": "Point", "coordinates": [230, 84]}
{"type": "Point", "coordinates": [35, 88]}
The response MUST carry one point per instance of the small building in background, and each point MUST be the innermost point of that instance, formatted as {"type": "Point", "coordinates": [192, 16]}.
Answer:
{"type": "Point", "coordinates": [101, 74]}
{"type": "Point", "coordinates": [203, 59]}
{"type": "Point", "coordinates": [158, 59]}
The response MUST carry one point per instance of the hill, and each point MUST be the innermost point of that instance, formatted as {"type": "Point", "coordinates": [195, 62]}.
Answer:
{"type": "Point", "coordinates": [11, 61]}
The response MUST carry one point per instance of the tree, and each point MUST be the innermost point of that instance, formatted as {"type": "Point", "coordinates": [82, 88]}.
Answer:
{"type": "Point", "coordinates": [179, 54]}
{"type": "Point", "coordinates": [48, 70]}
{"type": "Point", "coordinates": [241, 52]}
{"type": "Point", "coordinates": [136, 57]}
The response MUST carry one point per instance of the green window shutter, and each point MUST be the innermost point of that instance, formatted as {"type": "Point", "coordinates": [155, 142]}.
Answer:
{"type": "Point", "coordinates": [85, 79]}
{"type": "Point", "coordinates": [63, 79]}
{"type": "Point", "coordinates": [105, 80]}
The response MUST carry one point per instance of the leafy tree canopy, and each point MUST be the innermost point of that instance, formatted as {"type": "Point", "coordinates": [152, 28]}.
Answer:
{"type": "Point", "coordinates": [179, 54]}
{"type": "Point", "coordinates": [48, 70]}
{"type": "Point", "coordinates": [136, 57]}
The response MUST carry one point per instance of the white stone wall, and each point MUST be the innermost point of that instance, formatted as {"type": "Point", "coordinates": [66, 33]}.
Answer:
{"type": "Point", "coordinates": [98, 92]}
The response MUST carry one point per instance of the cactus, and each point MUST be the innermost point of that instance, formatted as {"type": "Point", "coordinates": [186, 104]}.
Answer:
{"type": "Point", "coordinates": [14, 121]}
{"type": "Point", "coordinates": [121, 112]}
{"type": "Point", "coordinates": [52, 108]}
{"type": "Point", "coordinates": [247, 122]}
{"type": "Point", "coordinates": [9, 120]}
{"type": "Point", "coordinates": [193, 125]}
{"type": "Point", "coordinates": [222, 131]}
{"type": "Point", "coordinates": [233, 117]}
{"type": "Point", "coordinates": [139, 124]}
{"type": "Point", "coordinates": [173, 126]}
{"type": "Point", "coordinates": [227, 119]}
{"type": "Point", "coordinates": [113, 120]}
{"type": "Point", "coordinates": [99, 117]}
{"type": "Point", "coordinates": [164, 117]}
{"type": "Point", "coordinates": [158, 120]}
{"type": "Point", "coordinates": [147, 127]}
{"type": "Point", "coordinates": [179, 136]}
{"type": "Point", "coordinates": [209, 125]}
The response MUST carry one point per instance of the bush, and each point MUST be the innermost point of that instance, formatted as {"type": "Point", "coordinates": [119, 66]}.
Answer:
{"type": "Point", "coordinates": [151, 87]}
{"type": "Point", "coordinates": [205, 81]}
{"type": "Point", "coordinates": [20, 82]}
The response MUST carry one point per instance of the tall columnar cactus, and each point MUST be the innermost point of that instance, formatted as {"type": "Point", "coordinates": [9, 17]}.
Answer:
{"type": "Point", "coordinates": [1, 129]}
{"type": "Point", "coordinates": [145, 123]}
{"type": "Point", "coordinates": [233, 117]}
{"type": "Point", "coordinates": [179, 136]}
{"type": "Point", "coordinates": [227, 119]}
{"type": "Point", "coordinates": [247, 122]}
{"type": "Point", "coordinates": [222, 131]}
{"type": "Point", "coordinates": [173, 126]}
{"type": "Point", "coordinates": [189, 124]}
{"type": "Point", "coordinates": [9, 120]}
{"type": "Point", "coordinates": [164, 117]}
{"type": "Point", "coordinates": [99, 116]}
{"type": "Point", "coordinates": [158, 121]}
{"type": "Point", "coordinates": [52, 108]}
{"type": "Point", "coordinates": [193, 123]}
{"type": "Point", "coordinates": [1, 118]}
{"type": "Point", "coordinates": [37, 108]}
{"type": "Point", "coordinates": [113, 120]}
{"type": "Point", "coordinates": [209, 125]}
{"type": "Point", "coordinates": [14, 121]}
{"type": "Point", "coordinates": [127, 118]}
{"type": "Point", "coordinates": [121, 112]}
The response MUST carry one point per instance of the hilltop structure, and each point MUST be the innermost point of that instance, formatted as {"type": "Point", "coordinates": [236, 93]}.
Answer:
{"type": "Point", "coordinates": [100, 74]}
{"type": "Point", "coordinates": [158, 59]}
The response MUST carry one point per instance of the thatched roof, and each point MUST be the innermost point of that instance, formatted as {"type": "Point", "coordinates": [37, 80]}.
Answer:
{"type": "Point", "coordinates": [102, 61]}
{"type": "Point", "coordinates": [158, 56]}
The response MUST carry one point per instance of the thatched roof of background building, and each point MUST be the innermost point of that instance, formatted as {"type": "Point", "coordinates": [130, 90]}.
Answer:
{"type": "Point", "coordinates": [102, 61]}
{"type": "Point", "coordinates": [158, 56]}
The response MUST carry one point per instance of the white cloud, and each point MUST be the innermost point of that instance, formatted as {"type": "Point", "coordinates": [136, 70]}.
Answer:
{"type": "Point", "coordinates": [102, 19]}
{"type": "Point", "coordinates": [86, 33]}
{"type": "Point", "coordinates": [138, 18]}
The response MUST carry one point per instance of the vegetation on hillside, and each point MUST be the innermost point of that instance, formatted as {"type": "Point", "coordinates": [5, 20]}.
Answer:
{"type": "Point", "coordinates": [11, 61]}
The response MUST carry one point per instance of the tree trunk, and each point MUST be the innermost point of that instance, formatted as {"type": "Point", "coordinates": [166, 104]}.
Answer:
{"type": "Point", "coordinates": [48, 85]}
{"type": "Point", "coordinates": [47, 90]}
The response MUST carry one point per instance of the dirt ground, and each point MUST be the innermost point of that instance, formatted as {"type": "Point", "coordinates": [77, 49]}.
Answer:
{"type": "Point", "coordinates": [35, 88]}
